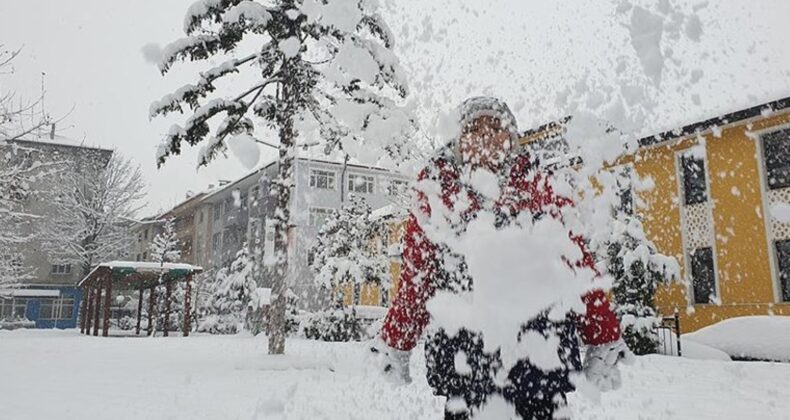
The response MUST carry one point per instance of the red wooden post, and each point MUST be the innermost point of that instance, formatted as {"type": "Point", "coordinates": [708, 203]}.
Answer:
{"type": "Point", "coordinates": [84, 308]}
{"type": "Point", "coordinates": [89, 311]}
{"type": "Point", "coordinates": [188, 306]}
{"type": "Point", "coordinates": [96, 310]}
{"type": "Point", "coordinates": [168, 291]}
{"type": "Point", "coordinates": [139, 311]}
{"type": "Point", "coordinates": [107, 303]}
{"type": "Point", "coordinates": [151, 301]}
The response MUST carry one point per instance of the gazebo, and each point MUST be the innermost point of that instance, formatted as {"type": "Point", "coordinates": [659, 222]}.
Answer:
{"type": "Point", "coordinates": [132, 275]}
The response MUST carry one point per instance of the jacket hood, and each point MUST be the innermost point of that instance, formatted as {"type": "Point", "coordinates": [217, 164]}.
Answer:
{"type": "Point", "coordinates": [470, 110]}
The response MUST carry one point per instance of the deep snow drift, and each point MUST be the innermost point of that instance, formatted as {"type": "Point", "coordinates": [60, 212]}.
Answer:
{"type": "Point", "coordinates": [60, 374]}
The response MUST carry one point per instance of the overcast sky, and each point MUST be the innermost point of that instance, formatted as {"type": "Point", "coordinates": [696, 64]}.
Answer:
{"type": "Point", "coordinates": [526, 51]}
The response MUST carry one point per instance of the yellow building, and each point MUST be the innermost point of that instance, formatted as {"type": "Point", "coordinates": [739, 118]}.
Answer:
{"type": "Point", "coordinates": [719, 207]}
{"type": "Point", "coordinates": [377, 293]}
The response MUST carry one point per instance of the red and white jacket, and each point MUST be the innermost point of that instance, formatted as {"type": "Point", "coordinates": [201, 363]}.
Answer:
{"type": "Point", "coordinates": [408, 316]}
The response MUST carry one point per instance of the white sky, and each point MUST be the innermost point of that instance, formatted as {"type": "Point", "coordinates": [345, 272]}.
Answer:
{"type": "Point", "coordinates": [525, 51]}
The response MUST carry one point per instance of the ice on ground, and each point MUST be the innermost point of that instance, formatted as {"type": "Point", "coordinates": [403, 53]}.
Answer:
{"type": "Point", "coordinates": [750, 337]}
{"type": "Point", "coordinates": [61, 374]}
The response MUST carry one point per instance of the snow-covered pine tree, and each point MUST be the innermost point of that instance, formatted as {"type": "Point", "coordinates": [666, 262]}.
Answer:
{"type": "Point", "coordinates": [166, 248]}
{"type": "Point", "coordinates": [232, 291]}
{"type": "Point", "coordinates": [322, 71]}
{"type": "Point", "coordinates": [637, 268]}
{"type": "Point", "coordinates": [344, 252]}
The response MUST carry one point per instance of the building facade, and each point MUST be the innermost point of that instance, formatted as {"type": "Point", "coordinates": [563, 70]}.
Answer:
{"type": "Point", "coordinates": [320, 187]}
{"type": "Point", "coordinates": [46, 296]}
{"type": "Point", "coordinates": [717, 207]}
{"type": "Point", "coordinates": [213, 226]}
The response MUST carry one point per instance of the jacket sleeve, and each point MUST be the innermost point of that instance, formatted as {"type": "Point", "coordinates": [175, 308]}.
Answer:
{"type": "Point", "coordinates": [408, 315]}
{"type": "Point", "coordinates": [599, 325]}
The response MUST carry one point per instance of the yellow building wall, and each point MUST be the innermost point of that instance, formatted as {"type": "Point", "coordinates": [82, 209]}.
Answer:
{"type": "Point", "coordinates": [370, 293]}
{"type": "Point", "coordinates": [745, 283]}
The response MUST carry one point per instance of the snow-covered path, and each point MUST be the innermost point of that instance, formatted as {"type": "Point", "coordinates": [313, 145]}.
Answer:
{"type": "Point", "coordinates": [60, 374]}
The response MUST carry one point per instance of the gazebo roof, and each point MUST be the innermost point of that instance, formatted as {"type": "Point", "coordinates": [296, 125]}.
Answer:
{"type": "Point", "coordinates": [138, 274]}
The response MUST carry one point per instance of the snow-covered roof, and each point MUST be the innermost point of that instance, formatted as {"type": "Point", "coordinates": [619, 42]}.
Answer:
{"type": "Point", "coordinates": [380, 213]}
{"type": "Point", "coordinates": [59, 141]}
{"type": "Point", "coordinates": [142, 272]}
{"type": "Point", "coordinates": [29, 292]}
{"type": "Point", "coordinates": [150, 266]}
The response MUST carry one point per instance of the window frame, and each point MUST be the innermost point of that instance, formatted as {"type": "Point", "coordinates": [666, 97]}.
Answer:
{"type": "Point", "coordinates": [764, 139]}
{"type": "Point", "coordinates": [60, 269]}
{"type": "Point", "coordinates": [314, 177]}
{"type": "Point", "coordinates": [216, 241]}
{"type": "Point", "coordinates": [782, 270]}
{"type": "Point", "coordinates": [310, 219]}
{"type": "Point", "coordinates": [11, 305]}
{"type": "Point", "coordinates": [57, 306]}
{"type": "Point", "coordinates": [713, 297]}
{"type": "Point", "coordinates": [687, 197]}
{"type": "Point", "coordinates": [370, 186]}
{"type": "Point", "coordinates": [394, 192]}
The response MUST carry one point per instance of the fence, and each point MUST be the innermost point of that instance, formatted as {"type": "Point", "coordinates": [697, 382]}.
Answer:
{"type": "Point", "coordinates": [668, 331]}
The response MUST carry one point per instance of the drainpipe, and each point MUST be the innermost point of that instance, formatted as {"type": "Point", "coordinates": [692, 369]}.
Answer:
{"type": "Point", "coordinates": [343, 179]}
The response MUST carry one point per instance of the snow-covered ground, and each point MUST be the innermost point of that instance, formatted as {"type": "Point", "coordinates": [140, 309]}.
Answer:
{"type": "Point", "coordinates": [60, 374]}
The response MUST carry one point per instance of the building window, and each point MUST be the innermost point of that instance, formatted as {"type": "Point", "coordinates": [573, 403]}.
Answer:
{"type": "Point", "coordinates": [703, 275]}
{"type": "Point", "coordinates": [138, 257]}
{"type": "Point", "coordinates": [145, 255]}
{"type": "Point", "coordinates": [216, 241]}
{"type": "Point", "coordinates": [776, 152]}
{"type": "Point", "coordinates": [625, 194]}
{"type": "Point", "coordinates": [11, 309]}
{"type": "Point", "coordinates": [200, 216]}
{"type": "Point", "coordinates": [217, 210]}
{"type": "Point", "coordinates": [324, 180]}
{"type": "Point", "coordinates": [61, 269]}
{"type": "Point", "coordinates": [318, 216]}
{"type": "Point", "coordinates": [53, 309]}
{"type": "Point", "coordinates": [255, 194]}
{"type": "Point", "coordinates": [695, 188]}
{"type": "Point", "coordinates": [310, 257]}
{"type": "Point", "coordinates": [360, 184]}
{"type": "Point", "coordinates": [396, 187]}
{"type": "Point", "coordinates": [145, 234]}
{"type": "Point", "coordinates": [783, 259]}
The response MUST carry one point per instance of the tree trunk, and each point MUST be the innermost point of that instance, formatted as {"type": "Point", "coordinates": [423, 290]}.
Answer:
{"type": "Point", "coordinates": [168, 297]}
{"type": "Point", "coordinates": [282, 221]}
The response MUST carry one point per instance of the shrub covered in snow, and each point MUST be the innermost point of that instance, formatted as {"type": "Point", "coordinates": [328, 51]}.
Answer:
{"type": "Point", "coordinates": [231, 295]}
{"type": "Point", "coordinates": [637, 268]}
{"type": "Point", "coordinates": [344, 252]}
{"type": "Point", "coordinates": [127, 323]}
{"type": "Point", "coordinates": [340, 324]}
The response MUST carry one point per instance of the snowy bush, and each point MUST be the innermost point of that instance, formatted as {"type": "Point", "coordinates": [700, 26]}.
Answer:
{"type": "Point", "coordinates": [340, 324]}
{"type": "Point", "coordinates": [231, 296]}
{"type": "Point", "coordinates": [127, 323]}
{"type": "Point", "coordinates": [344, 251]}
{"type": "Point", "coordinates": [636, 266]}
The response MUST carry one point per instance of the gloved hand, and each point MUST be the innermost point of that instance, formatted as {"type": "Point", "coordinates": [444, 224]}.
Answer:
{"type": "Point", "coordinates": [393, 363]}
{"type": "Point", "coordinates": [600, 364]}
